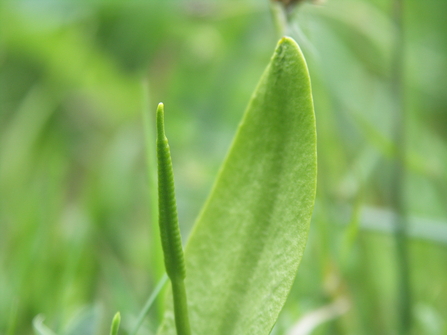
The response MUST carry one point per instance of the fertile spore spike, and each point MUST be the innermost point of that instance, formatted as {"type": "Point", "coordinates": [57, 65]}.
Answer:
{"type": "Point", "coordinates": [169, 227]}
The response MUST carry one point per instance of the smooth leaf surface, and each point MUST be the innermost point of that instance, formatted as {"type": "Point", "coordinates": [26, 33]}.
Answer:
{"type": "Point", "coordinates": [244, 251]}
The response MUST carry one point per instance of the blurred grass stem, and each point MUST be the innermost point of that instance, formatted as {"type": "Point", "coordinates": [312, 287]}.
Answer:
{"type": "Point", "coordinates": [151, 164]}
{"type": "Point", "coordinates": [149, 303]}
{"type": "Point", "coordinates": [280, 19]}
{"type": "Point", "coordinates": [12, 324]}
{"type": "Point", "coordinates": [399, 173]}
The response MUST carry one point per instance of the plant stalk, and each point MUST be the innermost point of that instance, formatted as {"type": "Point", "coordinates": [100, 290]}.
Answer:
{"type": "Point", "coordinates": [180, 307]}
{"type": "Point", "coordinates": [151, 164]}
{"type": "Point", "coordinates": [399, 172]}
{"type": "Point", "coordinates": [148, 304]}
{"type": "Point", "coordinates": [169, 228]}
{"type": "Point", "coordinates": [279, 18]}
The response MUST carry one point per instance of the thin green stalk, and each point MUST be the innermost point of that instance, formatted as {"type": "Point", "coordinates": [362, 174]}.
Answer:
{"type": "Point", "coordinates": [180, 306]}
{"type": "Point", "coordinates": [149, 304]}
{"type": "Point", "coordinates": [399, 172]}
{"type": "Point", "coordinates": [279, 18]}
{"type": "Point", "coordinates": [157, 269]}
{"type": "Point", "coordinates": [283, 12]}
{"type": "Point", "coordinates": [151, 162]}
{"type": "Point", "coordinates": [12, 324]}
{"type": "Point", "coordinates": [169, 229]}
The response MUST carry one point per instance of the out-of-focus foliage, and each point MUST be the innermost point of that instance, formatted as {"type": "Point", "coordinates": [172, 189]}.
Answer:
{"type": "Point", "coordinates": [77, 241]}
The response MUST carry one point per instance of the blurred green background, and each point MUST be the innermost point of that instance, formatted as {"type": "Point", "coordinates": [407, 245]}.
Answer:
{"type": "Point", "coordinates": [79, 85]}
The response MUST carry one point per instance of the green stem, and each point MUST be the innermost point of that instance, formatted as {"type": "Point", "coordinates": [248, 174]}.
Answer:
{"type": "Point", "coordinates": [169, 228]}
{"type": "Point", "coordinates": [279, 18]}
{"type": "Point", "coordinates": [151, 164]}
{"type": "Point", "coordinates": [397, 190]}
{"type": "Point", "coordinates": [149, 304]}
{"type": "Point", "coordinates": [12, 323]}
{"type": "Point", "coordinates": [180, 307]}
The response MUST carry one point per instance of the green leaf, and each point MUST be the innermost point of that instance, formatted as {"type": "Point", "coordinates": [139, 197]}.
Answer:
{"type": "Point", "coordinates": [244, 251]}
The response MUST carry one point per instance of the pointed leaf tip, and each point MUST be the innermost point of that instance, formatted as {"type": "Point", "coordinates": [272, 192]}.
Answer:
{"type": "Point", "coordinates": [115, 324]}
{"type": "Point", "coordinates": [289, 44]}
{"type": "Point", "coordinates": [284, 39]}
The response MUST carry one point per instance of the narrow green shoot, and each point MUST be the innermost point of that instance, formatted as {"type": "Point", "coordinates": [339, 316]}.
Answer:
{"type": "Point", "coordinates": [149, 304]}
{"type": "Point", "coordinates": [169, 228]}
{"type": "Point", "coordinates": [115, 324]}
{"type": "Point", "coordinates": [398, 195]}
{"type": "Point", "coordinates": [151, 164]}
{"type": "Point", "coordinates": [12, 324]}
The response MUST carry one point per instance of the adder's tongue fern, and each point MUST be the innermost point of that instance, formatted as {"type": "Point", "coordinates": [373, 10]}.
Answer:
{"type": "Point", "coordinates": [169, 228]}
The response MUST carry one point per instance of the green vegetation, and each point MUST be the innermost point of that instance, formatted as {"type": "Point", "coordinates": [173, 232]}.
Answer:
{"type": "Point", "coordinates": [171, 240]}
{"type": "Point", "coordinates": [79, 238]}
{"type": "Point", "coordinates": [115, 324]}
{"type": "Point", "coordinates": [244, 250]}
